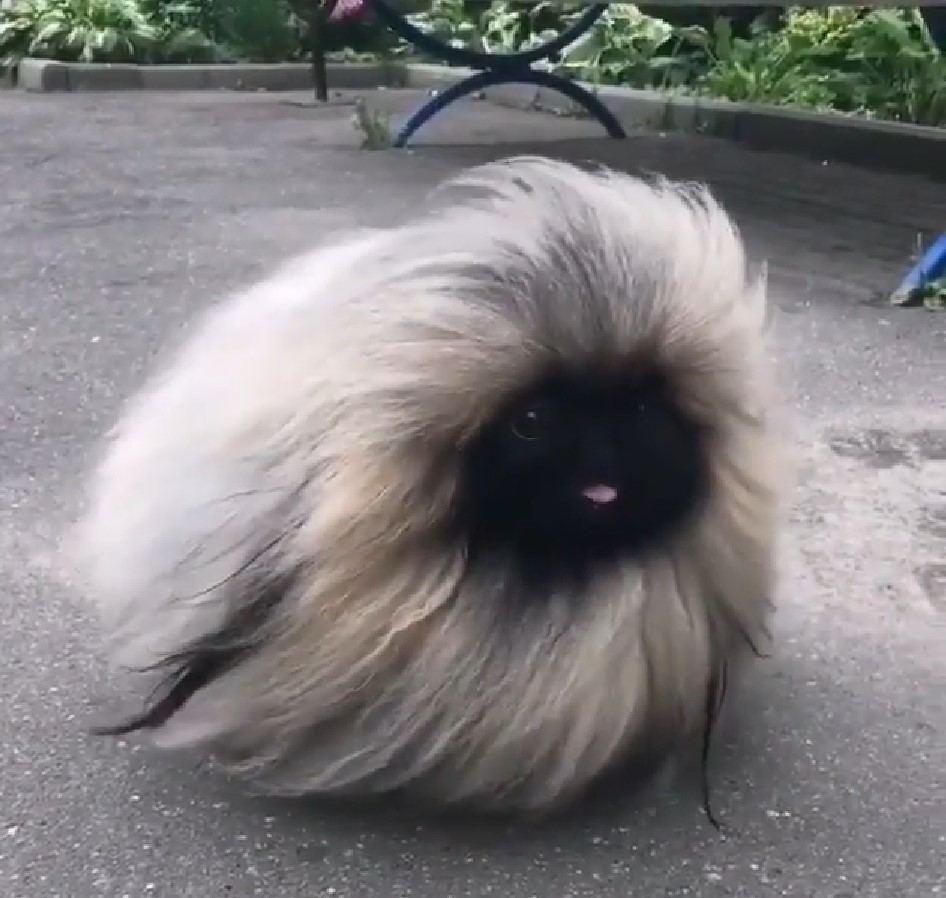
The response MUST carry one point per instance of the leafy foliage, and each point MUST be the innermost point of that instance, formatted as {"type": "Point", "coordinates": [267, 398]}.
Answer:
{"type": "Point", "coordinates": [76, 30]}
{"type": "Point", "coordinates": [258, 30]}
{"type": "Point", "coordinates": [930, 296]}
{"type": "Point", "coordinates": [148, 31]}
{"type": "Point", "coordinates": [856, 60]}
{"type": "Point", "coordinates": [183, 32]}
{"type": "Point", "coordinates": [456, 22]}
{"type": "Point", "coordinates": [878, 62]}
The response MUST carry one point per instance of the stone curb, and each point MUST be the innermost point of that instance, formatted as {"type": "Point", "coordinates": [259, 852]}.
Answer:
{"type": "Point", "coordinates": [886, 145]}
{"type": "Point", "coordinates": [47, 76]}
{"type": "Point", "coordinates": [912, 149]}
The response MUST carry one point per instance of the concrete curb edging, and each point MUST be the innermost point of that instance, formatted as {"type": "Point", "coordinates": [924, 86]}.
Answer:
{"type": "Point", "coordinates": [894, 146]}
{"type": "Point", "coordinates": [886, 145]}
{"type": "Point", "coordinates": [48, 76]}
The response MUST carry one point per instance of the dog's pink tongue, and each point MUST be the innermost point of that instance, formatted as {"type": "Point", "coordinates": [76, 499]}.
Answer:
{"type": "Point", "coordinates": [600, 493]}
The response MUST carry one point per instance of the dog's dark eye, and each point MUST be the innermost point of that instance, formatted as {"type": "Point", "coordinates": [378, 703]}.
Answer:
{"type": "Point", "coordinates": [532, 422]}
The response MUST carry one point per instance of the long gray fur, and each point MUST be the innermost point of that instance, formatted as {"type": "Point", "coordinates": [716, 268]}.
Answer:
{"type": "Point", "coordinates": [297, 457]}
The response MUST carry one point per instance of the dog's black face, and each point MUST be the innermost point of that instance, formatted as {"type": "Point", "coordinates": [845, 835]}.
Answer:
{"type": "Point", "coordinates": [582, 470]}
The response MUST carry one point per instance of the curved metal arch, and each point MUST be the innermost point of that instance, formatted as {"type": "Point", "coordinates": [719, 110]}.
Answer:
{"type": "Point", "coordinates": [492, 69]}
{"type": "Point", "coordinates": [492, 77]}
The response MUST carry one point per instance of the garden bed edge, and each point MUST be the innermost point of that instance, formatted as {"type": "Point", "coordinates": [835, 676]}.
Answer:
{"type": "Point", "coordinates": [871, 143]}
{"type": "Point", "coordinates": [50, 76]}
{"type": "Point", "coordinates": [893, 146]}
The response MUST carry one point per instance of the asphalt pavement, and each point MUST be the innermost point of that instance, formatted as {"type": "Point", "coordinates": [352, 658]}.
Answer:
{"type": "Point", "coordinates": [123, 214]}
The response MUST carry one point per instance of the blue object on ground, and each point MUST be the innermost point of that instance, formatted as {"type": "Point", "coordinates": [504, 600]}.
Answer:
{"type": "Point", "coordinates": [930, 268]}
{"type": "Point", "coordinates": [497, 68]}
{"type": "Point", "coordinates": [933, 264]}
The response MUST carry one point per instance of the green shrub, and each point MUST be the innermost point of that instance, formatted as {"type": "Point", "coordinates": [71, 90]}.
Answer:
{"type": "Point", "coordinates": [863, 61]}
{"type": "Point", "coordinates": [761, 69]}
{"type": "Point", "coordinates": [876, 62]}
{"type": "Point", "coordinates": [455, 22]}
{"type": "Point", "coordinates": [258, 30]}
{"type": "Point", "coordinates": [98, 31]}
{"type": "Point", "coordinates": [184, 15]}
{"type": "Point", "coordinates": [76, 30]}
{"type": "Point", "coordinates": [186, 32]}
{"type": "Point", "coordinates": [627, 47]}
{"type": "Point", "coordinates": [879, 62]}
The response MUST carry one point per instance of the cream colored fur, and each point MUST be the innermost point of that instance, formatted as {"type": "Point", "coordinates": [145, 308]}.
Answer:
{"type": "Point", "coordinates": [308, 427]}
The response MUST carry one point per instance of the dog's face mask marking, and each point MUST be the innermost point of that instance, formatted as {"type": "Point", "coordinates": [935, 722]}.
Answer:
{"type": "Point", "coordinates": [580, 469]}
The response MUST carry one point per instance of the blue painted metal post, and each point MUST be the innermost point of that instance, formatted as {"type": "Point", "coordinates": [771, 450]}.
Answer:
{"type": "Point", "coordinates": [930, 268]}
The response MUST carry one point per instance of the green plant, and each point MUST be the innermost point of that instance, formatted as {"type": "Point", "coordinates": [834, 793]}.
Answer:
{"type": "Point", "coordinates": [627, 47]}
{"type": "Point", "coordinates": [894, 69]}
{"type": "Point", "coordinates": [508, 27]}
{"type": "Point", "coordinates": [185, 45]}
{"type": "Point", "coordinates": [455, 22]}
{"type": "Point", "coordinates": [101, 31]}
{"type": "Point", "coordinates": [18, 29]}
{"type": "Point", "coordinates": [879, 62]}
{"type": "Point", "coordinates": [186, 30]}
{"type": "Point", "coordinates": [184, 15]}
{"type": "Point", "coordinates": [864, 61]}
{"type": "Point", "coordinates": [76, 30]}
{"type": "Point", "coordinates": [624, 46]}
{"type": "Point", "coordinates": [764, 68]}
{"type": "Point", "coordinates": [258, 30]}
{"type": "Point", "coordinates": [930, 296]}
{"type": "Point", "coordinates": [860, 61]}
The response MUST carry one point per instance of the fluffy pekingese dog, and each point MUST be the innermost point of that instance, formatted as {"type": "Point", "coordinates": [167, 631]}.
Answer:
{"type": "Point", "coordinates": [474, 507]}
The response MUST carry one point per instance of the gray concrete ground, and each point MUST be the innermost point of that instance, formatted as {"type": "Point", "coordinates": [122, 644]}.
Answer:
{"type": "Point", "coordinates": [122, 214]}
